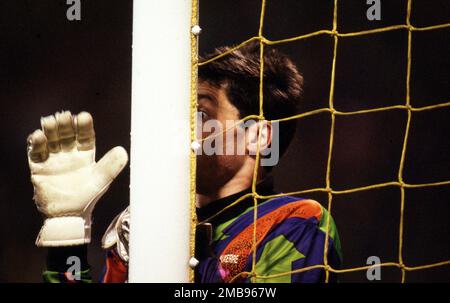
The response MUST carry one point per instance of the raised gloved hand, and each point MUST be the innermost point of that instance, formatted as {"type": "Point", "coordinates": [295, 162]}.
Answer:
{"type": "Point", "coordinates": [67, 181]}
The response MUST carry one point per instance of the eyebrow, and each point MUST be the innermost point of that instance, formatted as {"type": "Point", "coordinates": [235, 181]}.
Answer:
{"type": "Point", "coordinates": [207, 96]}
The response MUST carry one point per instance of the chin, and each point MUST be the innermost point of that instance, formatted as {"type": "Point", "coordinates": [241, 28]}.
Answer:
{"type": "Point", "coordinates": [213, 172]}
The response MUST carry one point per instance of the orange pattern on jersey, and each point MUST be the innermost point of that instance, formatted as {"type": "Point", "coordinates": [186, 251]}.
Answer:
{"type": "Point", "coordinates": [234, 256]}
{"type": "Point", "coordinates": [116, 270]}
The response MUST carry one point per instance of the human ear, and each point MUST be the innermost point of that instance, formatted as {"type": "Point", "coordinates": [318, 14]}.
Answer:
{"type": "Point", "coordinates": [263, 129]}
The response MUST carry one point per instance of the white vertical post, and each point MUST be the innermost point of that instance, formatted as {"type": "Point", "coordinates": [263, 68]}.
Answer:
{"type": "Point", "coordinates": [159, 190]}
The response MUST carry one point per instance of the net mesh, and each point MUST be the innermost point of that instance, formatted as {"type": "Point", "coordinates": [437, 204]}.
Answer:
{"type": "Point", "coordinates": [399, 182]}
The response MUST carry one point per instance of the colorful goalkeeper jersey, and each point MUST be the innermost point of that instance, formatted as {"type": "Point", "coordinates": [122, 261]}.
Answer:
{"type": "Point", "coordinates": [290, 235]}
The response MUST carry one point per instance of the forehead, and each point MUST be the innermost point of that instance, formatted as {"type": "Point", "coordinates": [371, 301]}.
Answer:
{"type": "Point", "coordinates": [210, 88]}
{"type": "Point", "coordinates": [215, 95]}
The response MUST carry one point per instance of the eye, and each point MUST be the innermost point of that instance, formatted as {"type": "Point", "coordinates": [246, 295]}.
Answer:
{"type": "Point", "coordinates": [202, 116]}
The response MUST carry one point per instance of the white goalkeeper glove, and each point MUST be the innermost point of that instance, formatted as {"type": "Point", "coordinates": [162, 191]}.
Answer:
{"type": "Point", "coordinates": [67, 181]}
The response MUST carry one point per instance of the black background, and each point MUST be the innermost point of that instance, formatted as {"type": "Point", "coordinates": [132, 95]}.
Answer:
{"type": "Point", "coordinates": [48, 64]}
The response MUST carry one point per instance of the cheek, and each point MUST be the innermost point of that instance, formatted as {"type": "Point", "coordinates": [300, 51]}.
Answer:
{"type": "Point", "coordinates": [229, 165]}
{"type": "Point", "coordinates": [214, 171]}
{"type": "Point", "coordinates": [218, 166]}
{"type": "Point", "coordinates": [209, 128]}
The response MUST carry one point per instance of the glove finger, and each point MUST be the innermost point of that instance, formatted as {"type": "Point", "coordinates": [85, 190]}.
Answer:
{"type": "Point", "coordinates": [66, 130]}
{"type": "Point", "coordinates": [110, 165]}
{"type": "Point", "coordinates": [37, 146]}
{"type": "Point", "coordinates": [85, 131]}
{"type": "Point", "coordinates": [50, 128]}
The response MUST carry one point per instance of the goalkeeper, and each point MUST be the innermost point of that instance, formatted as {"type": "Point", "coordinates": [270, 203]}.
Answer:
{"type": "Point", "coordinates": [290, 231]}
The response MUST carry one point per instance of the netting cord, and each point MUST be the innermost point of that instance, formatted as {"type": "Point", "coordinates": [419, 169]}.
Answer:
{"type": "Point", "coordinates": [193, 123]}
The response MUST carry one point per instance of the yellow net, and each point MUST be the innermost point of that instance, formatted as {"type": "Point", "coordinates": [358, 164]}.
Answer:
{"type": "Point", "coordinates": [333, 113]}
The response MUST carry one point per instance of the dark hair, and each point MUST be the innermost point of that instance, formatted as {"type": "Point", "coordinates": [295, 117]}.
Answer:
{"type": "Point", "coordinates": [239, 72]}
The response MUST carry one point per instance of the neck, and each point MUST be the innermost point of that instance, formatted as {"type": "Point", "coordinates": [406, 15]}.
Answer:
{"type": "Point", "coordinates": [240, 182]}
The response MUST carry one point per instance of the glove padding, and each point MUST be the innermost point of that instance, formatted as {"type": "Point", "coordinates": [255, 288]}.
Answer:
{"type": "Point", "coordinates": [67, 181]}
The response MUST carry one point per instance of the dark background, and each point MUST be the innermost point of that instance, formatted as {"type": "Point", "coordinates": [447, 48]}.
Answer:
{"type": "Point", "coordinates": [48, 64]}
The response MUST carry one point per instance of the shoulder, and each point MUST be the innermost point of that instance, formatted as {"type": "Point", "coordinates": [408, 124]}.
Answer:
{"type": "Point", "coordinates": [117, 235]}
{"type": "Point", "coordinates": [286, 210]}
{"type": "Point", "coordinates": [290, 210]}
{"type": "Point", "coordinates": [305, 209]}
{"type": "Point", "coordinates": [298, 214]}
{"type": "Point", "coordinates": [292, 207]}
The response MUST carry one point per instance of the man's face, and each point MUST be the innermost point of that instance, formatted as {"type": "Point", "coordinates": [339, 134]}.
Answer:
{"type": "Point", "coordinates": [215, 109]}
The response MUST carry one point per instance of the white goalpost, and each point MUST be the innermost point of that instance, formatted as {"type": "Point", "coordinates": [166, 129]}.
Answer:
{"type": "Point", "coordinates": [160, 141]}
